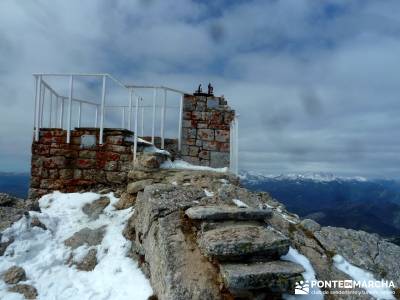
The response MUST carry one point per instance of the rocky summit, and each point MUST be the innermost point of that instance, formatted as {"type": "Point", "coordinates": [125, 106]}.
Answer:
{"type": "Point", "coordinates": [197, 234]}
{"type": "Point", "coordinates": [200, 235]}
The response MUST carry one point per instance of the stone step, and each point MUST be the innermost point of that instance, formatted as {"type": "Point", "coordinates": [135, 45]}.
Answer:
{"type": "Point", "coordinates": [274, 276]}
{"type": "Point", "coordinates": [225, 212]}
{"type": "Point", "coordinates": [239, 242]}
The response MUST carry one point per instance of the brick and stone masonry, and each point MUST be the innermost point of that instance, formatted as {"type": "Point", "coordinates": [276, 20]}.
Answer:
{"type": "Point", "coordinates": [83, 163]}
{"type": "Point", "coordinates": [206, 130]}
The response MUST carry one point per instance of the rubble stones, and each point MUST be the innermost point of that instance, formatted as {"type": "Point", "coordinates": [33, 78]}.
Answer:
{"type": "Point", "coordinates": [137, 186]}
{"type": "Point", "coordinates": [90, 237]}
{"type": "Point", "coordinates": [95, 208]}
{"type": "Point", "coordinates": [14, 275]}
{"type": "Point", "coordinates": [89, 262]}
{"type": "Point", "coordinates": [126, 200]}
{"type": "Point", "coordinates": [27, 290]}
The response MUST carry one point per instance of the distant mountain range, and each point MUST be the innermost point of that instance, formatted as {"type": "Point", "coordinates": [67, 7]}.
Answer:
{"type": "Point", "coordinates": [351, 202]}
{"type": "Point", "coordinates": [16, 184]}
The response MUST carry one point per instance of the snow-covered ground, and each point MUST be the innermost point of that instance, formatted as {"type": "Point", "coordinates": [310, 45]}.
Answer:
{"type": "Point", "coordinates": [43, 255]}
{"type": "Point", "coordinates": [358, 274]}
{"type": "Point", "coordinates": [183, 165]}
{"type": "Point", "coordinates": [309, 275]}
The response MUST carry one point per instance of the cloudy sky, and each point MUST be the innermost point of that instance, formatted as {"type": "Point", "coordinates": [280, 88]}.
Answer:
{"type": "Point", "coordinates": [316, 83]}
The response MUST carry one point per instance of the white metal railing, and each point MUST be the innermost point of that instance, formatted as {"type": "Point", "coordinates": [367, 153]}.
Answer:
{"type": "Point", "coordinates": [60, 108]}
{"type": "Point", "coordinates": [59, 105]}
{"type": "Point", "coordinates": [234, 145]}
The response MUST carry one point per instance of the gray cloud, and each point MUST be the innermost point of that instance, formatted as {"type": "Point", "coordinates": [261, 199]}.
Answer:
{"type": "Point", "coordinates": [315, 83]}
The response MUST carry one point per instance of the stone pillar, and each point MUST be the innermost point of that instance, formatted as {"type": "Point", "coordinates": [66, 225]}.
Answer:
{"type": "Point", "coordinates": [206, 130]}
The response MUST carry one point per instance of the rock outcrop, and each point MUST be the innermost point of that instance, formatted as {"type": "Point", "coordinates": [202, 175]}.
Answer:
{"type": "Point", "coordinates": [194, 242]}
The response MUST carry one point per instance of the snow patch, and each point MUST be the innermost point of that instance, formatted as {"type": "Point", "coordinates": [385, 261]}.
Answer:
{"type": "Point", "coordinates": [359, 274]}
{"type": "Point", "coordinates": [183, 165]}
{"type": "Point", "coordinates": [43, 255]}
{"type": "Point", "coordinates": [239, 203]}
{"type": "Point", "coordinates": [208, 193]}
{"type": "Point", "coordinates": [309, 274]}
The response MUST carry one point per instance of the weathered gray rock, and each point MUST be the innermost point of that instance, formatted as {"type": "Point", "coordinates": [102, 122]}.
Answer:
{"type": "Point", "coordinates": [35, 222]}
{"type": "Point", "coordinates": [137, 186]}
{"type": "Point", "coordinates": [126, 200]}
{"type": "Point", "coordinates": [310, 225]}
{"type": "Point", "coordinates": [95, 208]}
{"type": "Point", "coordinates": [91, 237]}
{"type": "Point", "coordinates": [240, 242]}
{"type": "Point", "coordinates": [223, 212]}
{"type": "Point", "coordinates": [89, 262]}
{"type": "Point", "coordinates": [14, 275]}
{"type": "Point", "coordinates": [4, 245]}
{"type": "Point", "coordinates": [365, 250]}
{"type": "Point", "coordinates": [151, 161]}
{"type": "Point", "coordinates": [27, 290]}
{"type": "Point", "coordinates": [275, 276]}
{"type": "Point", "coordinates": [6, 200]}
{"type": "Point", "coordinates": [174, 263]}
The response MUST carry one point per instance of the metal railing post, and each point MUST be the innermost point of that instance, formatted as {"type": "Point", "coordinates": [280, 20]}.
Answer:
{"type": "Point", "coordinates": [42, 97]}
{"type": "Point", "coordinates": [37, 105]}
{"type": "Point", "coordinates": [123, 117]}
{"type": "Point", "coordinates": [180, 124]}
{"type": "Point", "coordinates": [142, 117]}
{"type": "Point", "coordinates": [51, 108]}
{"type": "Point", "coordinates": [130, 110]}
{"type": "Point", "coordinates": [96, 117]}
{"type": "Point", "coordinates": [62, 113]}
{"type": "Point", "coordinates": [231, 147]}
{"type": "Point", "coordinates": [153, 125]}
{"type": "Point", "coordinates": [71, 86]}
{"type": "Point", "coordinates": [136, 128]}
{"type": "Point", "coordinates": [103, 100]}
{"type": "Point", "coordinates": [56, 112]}
{"type": "Point", "coordinates": [79, 114]}
{"type": "Point", "coordinates": [163, 118]}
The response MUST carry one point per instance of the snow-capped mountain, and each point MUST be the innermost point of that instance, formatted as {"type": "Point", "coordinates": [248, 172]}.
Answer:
{"type": "Point", "coordinates": [352, 202]}
{"type": "Point", "coordinates": [318, 177]}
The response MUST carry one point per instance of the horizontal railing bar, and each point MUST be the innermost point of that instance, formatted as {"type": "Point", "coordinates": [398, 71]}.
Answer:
{"type": "Point", "coordinates": [112, 78]}
{"type": "Point", "coordinates": [155, 87]}
{"type": "Point", "coordinates": [80, 100]}
{"type": "Point", "coordinates": [144, 106]}
{"type": "Point", "coordinates": [69, 74]}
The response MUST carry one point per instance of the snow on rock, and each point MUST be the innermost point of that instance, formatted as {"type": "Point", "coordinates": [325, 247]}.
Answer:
{"type": "Point", "coordinates": [358, 274]}
{"type": "Point", "coordinates": [208, 193]}
{"type": "Point", "coordinates": [44, 256]}
{"type": "Point", "coordinates": [239, 203]}
{"type": "Point", "coordinates": [183, 165]}
{"type": "Point", "coordinates": [309, 275]}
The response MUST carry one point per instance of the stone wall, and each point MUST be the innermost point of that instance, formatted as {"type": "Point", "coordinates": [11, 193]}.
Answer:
{"type": "Point", "coordinates": [83, 163]}
{"type": "Point", "coordinates": [206, 130]}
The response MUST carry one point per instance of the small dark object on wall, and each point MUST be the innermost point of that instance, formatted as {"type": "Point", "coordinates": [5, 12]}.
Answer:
{"type": "Point", "coordinates": [199, 90]}
{"type": "Point", "coordinates": [210, 90]}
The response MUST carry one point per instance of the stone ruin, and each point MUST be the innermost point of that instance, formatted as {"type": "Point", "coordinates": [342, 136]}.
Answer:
{"type": "Point", "coordinates": [84, 163]}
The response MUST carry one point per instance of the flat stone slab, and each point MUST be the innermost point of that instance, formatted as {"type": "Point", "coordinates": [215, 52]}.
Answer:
{"type": "Point", "coordinates": [224, 212]}
{"type": "Point", "coordinates": [274, 276]}
{"type": "Point", "coordinates": [238, 242]}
